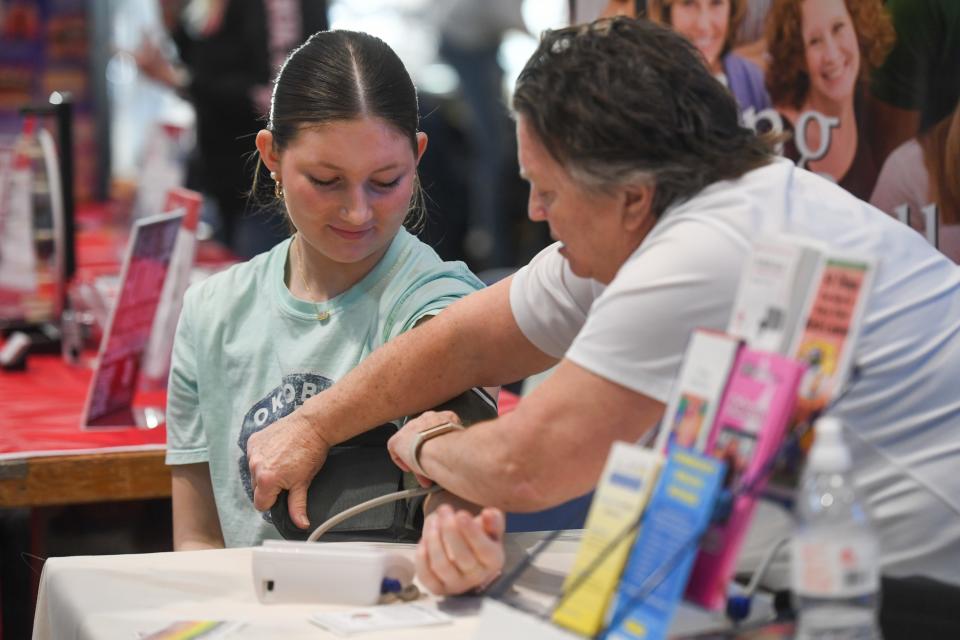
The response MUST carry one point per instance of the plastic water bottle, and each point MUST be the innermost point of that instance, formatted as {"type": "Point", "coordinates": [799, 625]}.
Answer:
{"type": "Point", "coordinates": [834, 552]}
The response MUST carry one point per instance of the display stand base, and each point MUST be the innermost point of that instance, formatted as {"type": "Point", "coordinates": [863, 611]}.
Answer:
{"type": "Point", "coordinates": [501, 621]}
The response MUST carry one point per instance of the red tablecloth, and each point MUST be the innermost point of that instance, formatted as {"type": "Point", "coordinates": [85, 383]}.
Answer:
{"type": "Point", "coordinates": [40, 411]}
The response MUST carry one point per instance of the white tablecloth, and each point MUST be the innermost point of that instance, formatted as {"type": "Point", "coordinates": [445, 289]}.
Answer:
{"type": "Point", "coordinates": [125, 596]}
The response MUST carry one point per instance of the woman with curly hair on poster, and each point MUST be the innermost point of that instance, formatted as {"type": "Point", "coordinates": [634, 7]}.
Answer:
{"type": "Point", "coordinates": [821, 52]}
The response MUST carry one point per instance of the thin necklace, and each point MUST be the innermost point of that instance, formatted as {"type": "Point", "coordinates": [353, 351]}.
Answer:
{"type": "Point", "coordinates": [322, 316]}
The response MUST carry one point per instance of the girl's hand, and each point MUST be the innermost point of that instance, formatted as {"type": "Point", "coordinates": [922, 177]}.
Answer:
{"type": "Point", "coordinates": [459, 551]}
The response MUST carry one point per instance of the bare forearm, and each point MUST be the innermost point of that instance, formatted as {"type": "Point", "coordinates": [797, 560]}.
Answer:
{"type": "Point", "coordinates": [550, 449]}
{"type": "Point", "coordinates": [196, 523]}
{"type": "Point", "coordinates": [499, 464]}
{"type": "Point", "coordinates": [475, 342]}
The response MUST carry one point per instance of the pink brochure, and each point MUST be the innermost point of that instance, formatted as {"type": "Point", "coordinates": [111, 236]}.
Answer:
{"type": "Point", "coordinates": [750, 427]}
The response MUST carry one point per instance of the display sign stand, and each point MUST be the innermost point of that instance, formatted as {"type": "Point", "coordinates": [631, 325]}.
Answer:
{"type": "Point", "coordinates": [110, 397]}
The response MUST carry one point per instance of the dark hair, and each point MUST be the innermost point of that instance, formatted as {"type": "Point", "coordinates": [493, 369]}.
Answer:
{"type": "Point", "coordinates": [342, 75]}
{"type": "Point", "coordinates": [788, 80]}
{"type": "Point", "coordinates": [622, 100]}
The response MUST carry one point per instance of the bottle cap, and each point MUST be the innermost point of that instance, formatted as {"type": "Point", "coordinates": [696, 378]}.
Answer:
{"type": "Point", "coordinates": [829, 453]}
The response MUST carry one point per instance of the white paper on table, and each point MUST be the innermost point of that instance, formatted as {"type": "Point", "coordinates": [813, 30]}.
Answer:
{"type": "Point", "coordinates": [395, 616]}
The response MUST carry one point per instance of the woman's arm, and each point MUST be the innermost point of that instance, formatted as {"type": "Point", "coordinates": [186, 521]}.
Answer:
{"type": "Point", "coordinates": [474, 342]}
{"type": "Point", "coordinates": [196, 524]}
{"type": "Point", "coordinates": [551, 448]}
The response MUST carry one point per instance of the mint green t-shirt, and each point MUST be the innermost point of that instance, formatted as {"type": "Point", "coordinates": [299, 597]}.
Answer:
{"type": "Point", "coordinates": [247, 353]}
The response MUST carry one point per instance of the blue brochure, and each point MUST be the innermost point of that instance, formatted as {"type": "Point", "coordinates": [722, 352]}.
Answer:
{"type": "Point", "coordinates": [659, 564]}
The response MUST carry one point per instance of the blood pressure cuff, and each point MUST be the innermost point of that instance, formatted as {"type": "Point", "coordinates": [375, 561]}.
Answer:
{"type": "Point", "coordinates": [361, 469]}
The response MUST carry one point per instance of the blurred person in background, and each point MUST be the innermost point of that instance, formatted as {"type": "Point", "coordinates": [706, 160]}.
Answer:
{"type": "Point", "coordinates": [228, 52]}
{"type": "Point", "coordinates": [711, 25]}
{"type": "Point", "coordinates": [470, 36]}
{"type": "Point", "coordinates": [922, 171]}
{"type": "Point", "coordinates": [822, 54]}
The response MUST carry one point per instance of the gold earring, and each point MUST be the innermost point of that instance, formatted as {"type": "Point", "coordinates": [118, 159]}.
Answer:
{"type": "Point", "coordinates": [277, 186]}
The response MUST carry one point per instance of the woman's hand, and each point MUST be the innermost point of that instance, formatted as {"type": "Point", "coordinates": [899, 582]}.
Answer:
{"type": "Point", "coordinates": [400, 443]}
{"type": "Point", "coordinates": [286, 455]}
{"type": "Point", "coordinates": [154, 64]}
{"type": "Point", "coordinates": [459, 551]}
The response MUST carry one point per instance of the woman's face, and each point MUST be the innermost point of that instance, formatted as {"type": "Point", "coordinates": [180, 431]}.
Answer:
{"type": "Point", "coordinates": [704, 23]}
{"type": "Point", "coordinates": [831, 50]}
{"type": "Point", "coordinates": [347, 186]}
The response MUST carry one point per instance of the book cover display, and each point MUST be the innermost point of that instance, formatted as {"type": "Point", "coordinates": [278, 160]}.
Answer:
{"type": "Point", "coordinates": [698, 390]}
{"type": "Point", "coordinates": [830, 325]}
{"type": "Point", "coordinates": [747, 434]}
{"type": "Point", "coordinates": [773, 290]}
{"type": "Point", "coordinates": [799, 298]}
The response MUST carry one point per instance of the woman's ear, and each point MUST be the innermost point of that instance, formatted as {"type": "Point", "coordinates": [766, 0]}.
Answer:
{"type": "Point", "coordinates": [638, 206]}
{"type": "Point", "coordinates": [266, 149]}
{"type": "Point", "coordinates": [421, 145]}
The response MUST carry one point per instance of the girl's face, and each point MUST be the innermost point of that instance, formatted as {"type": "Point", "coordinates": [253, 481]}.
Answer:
{"type": "Point", "coordinates": [831, 50]}
{"type": "Point", "coordinates": [347, 186]}
{"type": "Point", "coordinates": [704, 23]}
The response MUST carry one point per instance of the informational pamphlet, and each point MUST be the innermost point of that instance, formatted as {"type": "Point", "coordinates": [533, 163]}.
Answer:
{"type": "Point", "coordinates": [773, 289]}
{"type": "Point", "coordinates": [380, 618]}
{"type": "Point", "coordinates": [660, 561]}
{"type": "Point", "coordinates": [110, 399]}
{"type": "Point", "coordinates": [698, 390]}
{"type": "Point", "coordinates": [625, 485]}
{"type": "Point", "coordinates": [754, 416]}
{"type": "Point", "coordinates": [830, 326]}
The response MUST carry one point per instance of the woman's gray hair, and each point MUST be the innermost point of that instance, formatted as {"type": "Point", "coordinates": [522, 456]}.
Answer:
{"type": "Point", "coordinates": [623, 100]}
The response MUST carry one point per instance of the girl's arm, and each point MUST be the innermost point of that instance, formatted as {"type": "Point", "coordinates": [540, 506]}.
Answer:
{"type": "Point", "coordinates": [196, 524]}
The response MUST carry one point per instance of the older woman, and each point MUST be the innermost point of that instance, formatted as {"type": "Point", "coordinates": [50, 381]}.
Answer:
{"type": "Point", "coordinates": [655, 193]}
{"type": "Point", "coordinates": [821, 53]}
{"type": "Point", "coordinates": [711, 25]}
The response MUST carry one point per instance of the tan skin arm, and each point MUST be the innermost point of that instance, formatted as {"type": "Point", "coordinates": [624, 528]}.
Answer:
{"type": "Point", "coordinates": [551, 448]}
{"type": "Point", "coordinates": [196, 524]}
{"type": "Point", "coordinates": [474, 342]}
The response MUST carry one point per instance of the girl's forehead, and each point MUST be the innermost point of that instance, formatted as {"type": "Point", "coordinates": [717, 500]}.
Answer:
{"type": "Point", "coordinates": [350, 135]}
{"type": "Point", "coordinates": [357, 141]}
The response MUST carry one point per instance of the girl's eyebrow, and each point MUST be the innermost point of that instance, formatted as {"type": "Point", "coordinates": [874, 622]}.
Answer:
{"type": "Point", "coordinates": [335, 167]}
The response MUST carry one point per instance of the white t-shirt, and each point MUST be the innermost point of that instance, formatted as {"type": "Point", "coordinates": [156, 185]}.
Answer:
{"type": "Point", "coordinates": [902, 413]}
